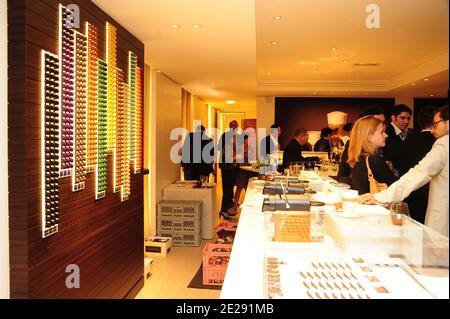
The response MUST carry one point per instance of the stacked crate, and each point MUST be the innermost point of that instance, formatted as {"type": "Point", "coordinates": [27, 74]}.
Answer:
{"type": "Point", "coordinates": [180, 220]}
{"type": "Point", "coordinates": [215, 263]}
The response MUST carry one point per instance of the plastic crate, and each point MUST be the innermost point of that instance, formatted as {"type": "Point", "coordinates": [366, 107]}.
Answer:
{"type": "Point", "coordinates": [215, 263]}
{"type": "Point", "coordinates": [178, 225]}
{"type": "Point", "coordinates": [183, 239]}
{"type": "Point", "coordinates": [225, 232]}
{"type": "Point", "coordinates": [180, 209]}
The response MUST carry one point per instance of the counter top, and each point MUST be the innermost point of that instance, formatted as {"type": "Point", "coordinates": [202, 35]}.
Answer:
{"type": "Point", "coordinates": [244, 278]}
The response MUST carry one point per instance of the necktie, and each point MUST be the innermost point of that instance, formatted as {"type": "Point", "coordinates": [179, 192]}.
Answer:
{"type": "Point", "coordinates": [402, 136]}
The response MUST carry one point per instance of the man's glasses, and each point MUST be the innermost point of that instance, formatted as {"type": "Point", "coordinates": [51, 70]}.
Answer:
{"type": "Point", "coordinates": [435, 124]}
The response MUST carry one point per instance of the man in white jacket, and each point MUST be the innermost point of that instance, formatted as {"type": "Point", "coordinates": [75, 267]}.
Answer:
{"type": "Point", "coordinates": [432, 168]}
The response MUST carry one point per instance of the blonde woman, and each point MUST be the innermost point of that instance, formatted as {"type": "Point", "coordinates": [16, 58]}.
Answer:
{"type": "Point", "coordinates": [367, 137]}
{"type": "Point", "coordinates": [432, 168]}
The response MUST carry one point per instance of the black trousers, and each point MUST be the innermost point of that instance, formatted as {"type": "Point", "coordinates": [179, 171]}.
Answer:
{"type": "Point", "coordinates": [229, 175]}
{"type": "Point", "coordinates": [191, 174]}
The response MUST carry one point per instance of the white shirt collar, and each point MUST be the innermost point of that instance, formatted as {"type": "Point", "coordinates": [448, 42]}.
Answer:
{"type": "Point", "coordinates": [274, 140]}
{"type": "Point", "coordinates": [396, 129]}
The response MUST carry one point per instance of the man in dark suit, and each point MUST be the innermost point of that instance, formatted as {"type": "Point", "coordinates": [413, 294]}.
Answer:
{"type": "Point", "coordinates": [397, 135]}
{"type": "Point", "coordinates": [416, 146]}
{"type": "Point", "coordinates": [293, 151]}
{"type": "Point", "coordinates": [192, 161]}
{"type": "Point", "coordinates": [227, 163]}
{"type": "Point", "coordinates": [323, 144]}
{"type": "Point", "coordinates": [270, 144]}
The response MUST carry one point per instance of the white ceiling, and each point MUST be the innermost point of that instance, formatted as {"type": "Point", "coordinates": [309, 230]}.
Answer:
{"type": "Point", "coordinates": [231, 55]}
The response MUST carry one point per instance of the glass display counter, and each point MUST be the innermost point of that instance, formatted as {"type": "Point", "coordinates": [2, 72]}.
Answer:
{"type": "Point", "coordinates": [321, 253]}
{"type": "Point", "coordinates": [366, 258]}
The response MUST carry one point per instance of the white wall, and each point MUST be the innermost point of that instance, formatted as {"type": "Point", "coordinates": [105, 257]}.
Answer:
{"type": "Point", "coordinates": [4, 228]}
{"type": "Point", "coordinates": [265, 112]}
{"type": "Point", "coordinates": [166, 107]}
{"type": "Point", "coordinates": [200, 111]}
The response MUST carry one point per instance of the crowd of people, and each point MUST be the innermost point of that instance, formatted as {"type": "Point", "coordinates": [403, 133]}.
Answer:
{"type": "Point", "coordinates": [385, 162]}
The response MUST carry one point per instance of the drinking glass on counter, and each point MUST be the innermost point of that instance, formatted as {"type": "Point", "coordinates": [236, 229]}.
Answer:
{"type": "Point", "coordinates": [295, 168]}
{"type": "Point", "coordinates": [340, 187]}
{"type": "Point", "coordinates": [317, 224]}
{"type": "Point", "coordinates": [349, 201]}
{"type": "Point", "coordinates": [398, 211]}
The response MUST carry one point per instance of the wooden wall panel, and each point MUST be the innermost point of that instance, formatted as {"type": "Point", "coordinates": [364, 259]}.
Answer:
{"type": "Point", "coordinates": [104, 237]}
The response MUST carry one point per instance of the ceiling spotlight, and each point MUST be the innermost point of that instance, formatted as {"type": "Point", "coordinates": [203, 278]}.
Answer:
{"type": "Point", "coordinates": [230, 102]}
{"type": "Point", "coordinates": [277, 17]}
{"type": "Point", "coordinates": [345, 61]}
{"type": "Point", "coordinates": [196, 26]}
{"type": "Point", "coordinates": [175, 26]}
{"type": "Point", "coordinates": [333, 49]}
{"type": "Point", "coordinates": [431, 94]}
{"type": "Point", "coordinates": [426, 79]}
{"type": "Point", "coordinates": [413, 84]}
{"type": "Point", "coordinates": [268, 73]}
{"type": "Point", "coordinates": [273, 42]}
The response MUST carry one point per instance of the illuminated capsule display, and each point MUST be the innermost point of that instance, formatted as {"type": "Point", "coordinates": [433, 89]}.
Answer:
{"type": "Point", "coordinates": [92, 47]}
{"type": "Point", "coordinates": [101, 182]}
{"type": "Point", "coordinates": [67, 58]}
{"type": "Point", "coordinates": [79, 174]}
{"type": "Point", "coordinates": [50, 143]}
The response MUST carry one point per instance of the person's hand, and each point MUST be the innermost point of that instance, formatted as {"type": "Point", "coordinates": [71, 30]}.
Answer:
{"type": "Point", "coordinates": [391, 166]}
{"type": "Point", "coordinates": [382, 186]}
{"type": "Point", "coordinates": [367, 199]}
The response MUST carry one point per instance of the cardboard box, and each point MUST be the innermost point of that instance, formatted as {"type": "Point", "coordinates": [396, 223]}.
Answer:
{"type": "Point", "coordinates": [157, 246]}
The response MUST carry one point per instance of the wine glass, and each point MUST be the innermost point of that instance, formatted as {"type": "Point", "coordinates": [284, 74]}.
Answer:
{"type": "Point", "coordinates": [398, 211]}
{"type": "Point", "coordinates": [203, 180]}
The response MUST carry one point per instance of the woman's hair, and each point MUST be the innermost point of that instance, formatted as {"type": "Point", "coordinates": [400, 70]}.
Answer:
{"type": "Point", "coordinates": [359, 138]}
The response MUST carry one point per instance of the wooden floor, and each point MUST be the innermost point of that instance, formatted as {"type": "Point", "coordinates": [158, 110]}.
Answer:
{"type": "Point", "coordinates": [172, 274]}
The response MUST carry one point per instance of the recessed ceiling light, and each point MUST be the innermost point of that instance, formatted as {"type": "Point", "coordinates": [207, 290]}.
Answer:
{"type": "Point", "coordinates": [277, 17]}
{"type": "Point", "coordinates": [431, 94]}
{"type": "Point", "coordinates": [426, 79]}
{"type": "Point", "coordinates": [274, 42]}
{"type": "Point", "coordinates": [333, 49]}
{"type": "Point", "coordinates": [230, 102]}
{"type": "Point", "coordinates": [413, 84]}
{"type": "Point", "coordinates": [345, 61]}
{"type": "Point", "coordinates": [196, 26]}
{"type": "Point", "coordinates": [175, 26]}
{"type": "Point", "coordinates": [268, 73]}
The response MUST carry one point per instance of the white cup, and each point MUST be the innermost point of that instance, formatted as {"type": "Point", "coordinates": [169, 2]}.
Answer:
{"type": "Point", "coordinates": [349, 201]}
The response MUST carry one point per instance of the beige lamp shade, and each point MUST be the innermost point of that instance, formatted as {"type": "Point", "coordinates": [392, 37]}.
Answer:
{"type": "Point", "coordinates": [336, 118]}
